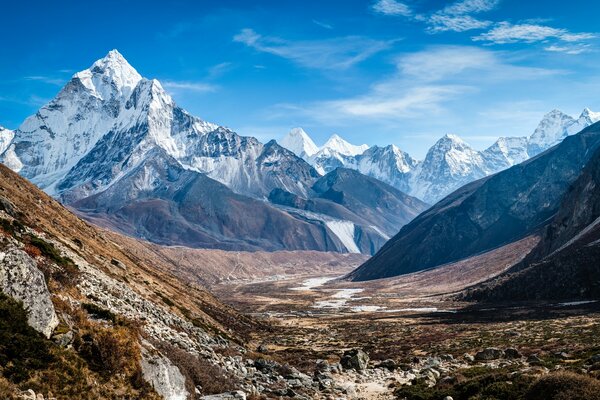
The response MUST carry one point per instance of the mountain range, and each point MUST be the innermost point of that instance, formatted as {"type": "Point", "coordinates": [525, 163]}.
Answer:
{"type": "Point", "coordinates": [116, 147]}
{"type": "Point", "coordinates": [497, 210]}
{"type": "Point", "coordinates": [449, 164]}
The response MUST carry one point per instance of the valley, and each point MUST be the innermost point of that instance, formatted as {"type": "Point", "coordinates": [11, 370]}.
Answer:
{"type": "Point", "coordinates": [413, 325]}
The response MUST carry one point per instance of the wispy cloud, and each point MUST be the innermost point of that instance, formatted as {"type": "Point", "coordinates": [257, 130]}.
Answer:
{"type": "Point", "coordinates": [46, 79]}
{"type": "Point", "coordinates": [506, 32]}
{"type": "Point", "coordinates": [322, 24]}
{"type": "Point", "coordinates": [458, 16]}
{"type": "Point", "coordinates": [569, 49]}
{"type": "Point", "coordinates": [199, 87]}
{"type": "Point", "coordinates": [336, 53]}
{"type": "Point", "coordinates": [470, 7]}
{"type": "Point", "coordinates": [392, 7]}
{"type": "Point", "coordinates": [425, 84]}
{"type": "Point", "coordinates": [456, 23]}
{"type": "Point", "coordinates": [218, 70]}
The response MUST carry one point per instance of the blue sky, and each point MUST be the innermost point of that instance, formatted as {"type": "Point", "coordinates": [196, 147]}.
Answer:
{"type": "Point", "coordinates": [376, 72]}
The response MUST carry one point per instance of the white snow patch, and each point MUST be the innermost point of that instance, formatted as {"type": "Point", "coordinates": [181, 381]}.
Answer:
{"type": "Point", "coordinates": [344, 230]}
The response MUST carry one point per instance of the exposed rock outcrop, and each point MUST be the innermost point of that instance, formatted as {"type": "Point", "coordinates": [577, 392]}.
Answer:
{"type": "Point", "coordinates": [21, 279]}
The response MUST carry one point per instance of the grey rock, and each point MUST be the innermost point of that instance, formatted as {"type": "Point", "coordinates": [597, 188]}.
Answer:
{"type": "Point", "coordinates": [489, 354]}
{"type": "Point", "coordinates": [355, 359]}
{"type": "Point", "coordinates": [388, 364]}
{"type": "Point", "coordinates": [22, 280]}
{"type": "Point", "coordinates": [512, 353]}
{"type": "Point", "coordinates": [160, 372]}
{"type": "Point", "coordinates": [236, 395]}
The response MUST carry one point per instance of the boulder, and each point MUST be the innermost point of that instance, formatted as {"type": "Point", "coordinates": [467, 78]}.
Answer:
{"type": "Point", "coordinates": [162, 374]}
{"type": "Point", "coordinates": [512, 353]}
{"type": "Point", "coordinates": [236, 395]}
{"type": "Point", "coordinates": [489, 354]}
{"type": "Point", "coordinates": [355, 359]}
{"type": "Point", "coordinates": [22, 280]}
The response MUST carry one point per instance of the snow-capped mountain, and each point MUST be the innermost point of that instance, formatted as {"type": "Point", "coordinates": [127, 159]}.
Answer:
{"type": "Point", "coordinates": [115, 146]}
{"type": "Point", "coordinates": [298, 141]}
{"type": "Point", "coordinates": [504, 153]}
{"type": "Point", "coordinates": [388, 164]}
{"type": "Point", "coordinates": [337, 144]}
{"type": "Point", "coordinates": [555, 126]}
{"type": "Point", "coordinates": [6, 136]}
{"type": "Point", "coordinates": [48, 144]}
{"type": "Point", "coordinates": [449, 164]}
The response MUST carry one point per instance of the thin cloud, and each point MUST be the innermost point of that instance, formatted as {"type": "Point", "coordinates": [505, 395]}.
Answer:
{"type": "Point", "coordinates": [336, 53]}
{"type": "Point", "coordinates": [199, 87]}
{"type": "Point", "coordinates": [322, 24]}
{"type": "Point", "coordinates": [457, 17]}
{"type": "Point", "coordinates": [46, 79]}
{"type": "Point", "coordinates": [392, 8]}
{"type": "Point", "coordinates": [461, 23]}
{"type": "Point", "coordinates": [470, 7]}
{"type": "Point", "coordinates": [425, 84]}
{"type": "Point", "coordinates": [571, 50]}
{"type": "Point", "coordinates": [506, 32]}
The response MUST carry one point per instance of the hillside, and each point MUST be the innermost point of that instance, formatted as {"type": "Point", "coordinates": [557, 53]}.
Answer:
{"type": "Point", "coordinates": [486, 213]}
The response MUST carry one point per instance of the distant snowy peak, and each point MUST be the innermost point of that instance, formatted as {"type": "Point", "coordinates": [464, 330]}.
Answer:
{"type": "Point", "coordinates": [552, 129]}
{"type": "Point", "coordinates": [505, 152]}
{"type": "Point", "coordinates": [340, 146]}
{"type": "Point", "coordinates": [298, 141]}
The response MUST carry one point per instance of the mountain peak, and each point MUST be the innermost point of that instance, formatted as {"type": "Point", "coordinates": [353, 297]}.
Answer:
{"type": "Point", "coordinates": [338, 144]}
{"type": "Point", "coordinates": [110, 73]}
{"type": "Point", "coordinates": [298, 141]}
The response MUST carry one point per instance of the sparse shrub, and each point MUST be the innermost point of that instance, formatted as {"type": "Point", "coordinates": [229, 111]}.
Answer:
{"type": "Point", "coordinates": [165, 299]}
{"type": "Point", "coordinates": [99, 312]}
{"type": "Point", "coordinates": [199, 371]}
{"type": "Point", "coordinates": [564, 386]}
{"type": "Point", "coordinates": [22, 349]}
{"type": "Point", "coordinates": [7, 390]}
{"type": "Point", "coordinates": [110, 351]}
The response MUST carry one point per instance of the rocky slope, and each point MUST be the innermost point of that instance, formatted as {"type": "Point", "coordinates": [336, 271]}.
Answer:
{"type": "Point", "coordinates": [486, 213]}
{"type": "Point", "coordinates": [107, 319]}
{"type": "Point", "coordinates": [565, 265]}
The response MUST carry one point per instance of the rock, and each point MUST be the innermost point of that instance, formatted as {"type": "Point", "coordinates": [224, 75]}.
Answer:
{"type": "Point", "coordinates": [447, 357]}
{"type": "Point", "coordinates": [28, 395]}
{"type": "Point", "coordinates": [21, 279]}
{"type": "Point", "coordinates": [160, 372]}
{"type": "Point", "coordinates": [512, 353]}
{"type": "Point", "coordinates": [534, 360]}
{"type": "Point", "coordinates": [355, 359]}
{"type": "Point", "coordinates": [63, 339]}
{"type": "Point", "coordinates": [595, 358]}
{"type": "Point", "coordinates": [469, 358]}
{"type": "Point", "coordinates": [388, 364]}
{"type": "Point", "coordinates": [263, 348]}
{"type": "Point", "coordinates": [236, 395]}
{"type": "Point", "coordinates": [448, 398]}
{"type": "Point", "coordinates": [489, 354]}
{"type": "Point", "coordinates": [405, 367]}
{"type": "Point", "coordinates": [263, 365]}
{"type": "Point", "coordinates": [8, 207]}
{"type": "Point", "coordinates": [322, 366]}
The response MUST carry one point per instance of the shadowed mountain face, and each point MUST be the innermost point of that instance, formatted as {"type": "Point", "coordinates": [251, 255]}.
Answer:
{"type": "Point", "coordinates": [487, 213]}
{"type": "Point", "coordinates": [565, 264]}
{"type": "Point", "coordinates": [375, 209]}
{"type": "Point", "coordinates": [161, 202]}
